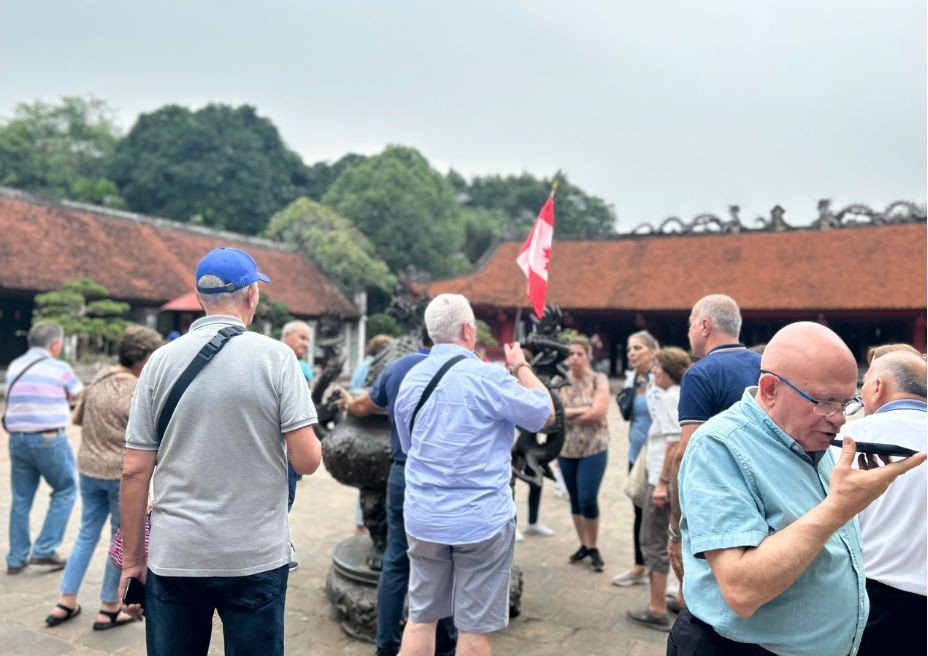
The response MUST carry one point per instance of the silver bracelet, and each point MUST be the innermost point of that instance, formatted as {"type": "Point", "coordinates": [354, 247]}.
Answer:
{"type": "Point", "coordinates": [672, 535]}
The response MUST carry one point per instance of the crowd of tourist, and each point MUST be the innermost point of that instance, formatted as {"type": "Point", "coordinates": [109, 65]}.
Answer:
{"type": "Point", "coordinates": [777, 517]}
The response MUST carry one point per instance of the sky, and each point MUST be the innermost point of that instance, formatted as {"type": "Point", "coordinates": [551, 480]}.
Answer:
{"type": "Point", "coordinates": [660, 108]}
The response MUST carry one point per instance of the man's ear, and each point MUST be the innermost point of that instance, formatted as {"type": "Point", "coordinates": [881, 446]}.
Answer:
{"type": "Point", "coordinates": [766, 387]}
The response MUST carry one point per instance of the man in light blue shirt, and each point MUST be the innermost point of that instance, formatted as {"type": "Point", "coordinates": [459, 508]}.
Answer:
{"type": "Point", "coordinates": [458, 509]}
{"type": "Point", "coordinates": [771, 546]}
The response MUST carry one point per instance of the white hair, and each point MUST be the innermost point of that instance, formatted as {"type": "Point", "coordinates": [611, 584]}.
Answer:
{"type": "Point", "coordinates": [43, 333]}
{"type": "Point", "coordinates": [445, 315]}
{"type": "Point", "coordinates": [290, 326]}
{"type": "Point", "coordinates": [722, 311]}
{"type": "Point", "coordinates": [221, 299]}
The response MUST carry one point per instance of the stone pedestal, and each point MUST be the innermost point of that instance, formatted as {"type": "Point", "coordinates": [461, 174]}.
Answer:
{"type": "Point", "coordinates": [351, 586]}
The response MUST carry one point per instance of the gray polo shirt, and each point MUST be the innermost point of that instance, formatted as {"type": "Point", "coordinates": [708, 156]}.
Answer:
{"type": "Point", "coordinates": [220, 484]}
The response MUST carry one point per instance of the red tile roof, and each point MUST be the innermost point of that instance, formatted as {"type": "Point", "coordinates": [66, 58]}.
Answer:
{"type": "Point", "coordinates": [149, 261]}
{"type": "Point", "coordinates": [851, 268]}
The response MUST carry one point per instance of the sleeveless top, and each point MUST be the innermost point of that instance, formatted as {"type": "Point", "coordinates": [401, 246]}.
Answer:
{"type": "Point", "coordinates": [638, 427]}
{"type": "Point", "coordinates": [581, 440]}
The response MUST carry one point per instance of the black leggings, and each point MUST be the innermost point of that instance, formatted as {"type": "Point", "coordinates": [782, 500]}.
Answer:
{"type": "Point", "coordinates": [639, 557]}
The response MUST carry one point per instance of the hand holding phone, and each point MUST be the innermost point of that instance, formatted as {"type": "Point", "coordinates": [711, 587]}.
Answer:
{"type": "Point", "coordinates": [879, 449]}
{"type": "Point", "coordinates": [135, 593]}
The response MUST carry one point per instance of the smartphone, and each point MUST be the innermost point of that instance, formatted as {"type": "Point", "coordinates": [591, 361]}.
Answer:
{"type": "Point", "coordinates": [879, 449]}
{"type": "Point", "coordinates": [135, 593]}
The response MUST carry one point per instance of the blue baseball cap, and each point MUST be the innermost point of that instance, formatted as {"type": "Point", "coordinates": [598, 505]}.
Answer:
{"type": "Point", "coordinates": [236, 268]}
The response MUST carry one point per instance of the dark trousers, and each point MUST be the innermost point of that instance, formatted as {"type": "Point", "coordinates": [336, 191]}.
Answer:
{"type": "Point", "coordinates": [179, 613]}
{"type": "Point", "coordinates": [690, 636]}
{"type": "Point", "coordinates": [639, 556]}
{"type": "Point", "coordinates": [896, 624]}
{"type": "Point", "coordinates": [394, 578]}
{"type": "Point", "coordinates": [292, 478]}
{"type": "Point", "coordinates": [582, 478]}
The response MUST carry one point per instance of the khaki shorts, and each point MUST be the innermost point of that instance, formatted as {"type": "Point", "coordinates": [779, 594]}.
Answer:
{"type": "Point", "coordinates": [469, 581]}
{"type": "Point", "coordinates": [653, 534]}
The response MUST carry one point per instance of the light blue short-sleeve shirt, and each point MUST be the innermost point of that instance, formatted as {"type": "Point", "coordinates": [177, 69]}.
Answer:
{"type": "Point", "coordinates": [458, 461]}
{"type": "Point", "coordinates": [741, 480]}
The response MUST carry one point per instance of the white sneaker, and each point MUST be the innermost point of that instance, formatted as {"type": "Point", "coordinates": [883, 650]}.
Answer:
{"type": "Point", "coordinates": [560, 492]}
{"type": "Point", "coordinates": [539, 529]}
{"type": "Point", "coordinates": [293, 562]}
{"type": "Point", "coordinates": [519, 536]}
{"type": "Point", "coordinates": [628, 578]}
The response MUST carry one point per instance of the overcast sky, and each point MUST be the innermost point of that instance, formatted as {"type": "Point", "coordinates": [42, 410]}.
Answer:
{"type": "Point", "coordinates": [661, 108]}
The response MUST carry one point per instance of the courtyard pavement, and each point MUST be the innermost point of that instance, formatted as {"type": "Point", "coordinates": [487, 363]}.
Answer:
{"type": "Point", "coordinates": [566, 609]}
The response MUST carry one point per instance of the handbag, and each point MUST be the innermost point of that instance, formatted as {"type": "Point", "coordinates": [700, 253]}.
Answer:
{"type": "Point", "coordinates": [636, 487]}
{"type": "Point", "coordinates": [626, 400]}
{"type": "Point", "coordinates": [116, 549]}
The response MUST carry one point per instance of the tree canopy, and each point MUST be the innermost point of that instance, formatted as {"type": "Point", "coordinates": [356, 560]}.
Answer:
{"type": "Point", "coordinates": [61, 150]}
{"type": "Point", "coordinates": [334, 243]}
{"type": "Point", "coordinates": [406, 208]}
{"type": "Point", "coordinates": [225, 167]}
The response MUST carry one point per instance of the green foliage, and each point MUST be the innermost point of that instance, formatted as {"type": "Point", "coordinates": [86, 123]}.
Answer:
{"type": "Point", "coordinates": [383, 324]}
{"type": "Point", "coordinates": [322, 174]}
{"type": "Point", "coordinates": [482, 229]}
{"type": "Point", "coordinates": [520, 198]}
{"type": "Point", "coordinates": [61, 150]}
{"type": "Point", "coordinates": [406, 208]}
{"type": "Point", "coordinates": [333, 242]}
{"type": "Point", "coordinates": [270, 312]}
{"type": "Point", "coordinates": [222, 166]}
{"type": "Point", "coordinates": [97, 323]}
{"type": "Point", "coordinates": [485, 335]}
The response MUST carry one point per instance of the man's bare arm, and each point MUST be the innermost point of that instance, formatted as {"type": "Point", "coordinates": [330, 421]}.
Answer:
{"type": "Point", "coordinates": [515, 362]}
{"type": "Point", "coordinates": [137, 469]}
{"type": "Point", "coordinates": [749, 578]}
{"type": "Point", "coordinates": [304, 450]}
{"type": "Point", "coordinates": [673, 470]}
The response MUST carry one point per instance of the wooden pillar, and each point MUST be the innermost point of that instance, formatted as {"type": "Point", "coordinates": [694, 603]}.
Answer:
{"type": "Point", "coordinates": [918, 336]}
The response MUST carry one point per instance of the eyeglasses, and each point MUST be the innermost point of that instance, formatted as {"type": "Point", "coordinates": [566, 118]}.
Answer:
{"type": "Point", "coordinates": [822, 408]}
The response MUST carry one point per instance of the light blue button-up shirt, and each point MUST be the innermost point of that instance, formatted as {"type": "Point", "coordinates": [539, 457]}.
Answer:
{"type": "Point", "coordinates": [742, 479]}
{"type": "Point", "coordinates": [458, 461]}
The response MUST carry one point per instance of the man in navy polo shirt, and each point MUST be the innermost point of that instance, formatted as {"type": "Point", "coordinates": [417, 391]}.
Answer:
{"type": "Point", "coordinates": [394, 577]}
{"type": "Point", "coordinates": [715, 383]}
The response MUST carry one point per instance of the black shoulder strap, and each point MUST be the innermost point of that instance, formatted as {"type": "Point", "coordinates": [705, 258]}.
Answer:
{"type": "Point", "coordinates": [431, 388]}
{"type": "Point", "coordinates": [10, 386]}
{"type": "Point", "coordinates": [210, 349]}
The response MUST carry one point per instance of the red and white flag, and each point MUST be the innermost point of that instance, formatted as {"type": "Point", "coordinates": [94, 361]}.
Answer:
{"type": "Point", "coordinates": [535, 256]}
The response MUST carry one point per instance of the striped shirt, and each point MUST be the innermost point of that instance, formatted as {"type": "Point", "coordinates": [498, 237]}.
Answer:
{"type": "Point", "coordinates": [39, 400]}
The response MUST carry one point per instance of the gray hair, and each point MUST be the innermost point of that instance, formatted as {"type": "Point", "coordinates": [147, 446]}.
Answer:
{"type": "Point", "coordinates": [220, 299]}
{"type": "Point", "coordinates": [290, 326]}
{"type": "Point", "coordinates": [649, 340]}
{"type": "Point", "coordinates": [43, 333]}
{"type": "Point", "coordinates": [907, 378]}
{"type": "Point", "coordinates": [445, 315]}
{"type": "Point", "coordinates": [722, 311]}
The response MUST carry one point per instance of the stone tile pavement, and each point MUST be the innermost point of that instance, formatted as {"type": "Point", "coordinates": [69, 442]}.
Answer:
{"type": "Point", "coordinates": [566, 609]}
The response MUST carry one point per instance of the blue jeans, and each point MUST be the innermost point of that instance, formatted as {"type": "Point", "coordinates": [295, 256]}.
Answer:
{"type": "Point", "coordinates": [99, 500]}
{"type": "Point", "coordinates": [582, 477]}
{"type": "Point", "coordinates": [394, 578]}
{"type": "Point", "coordinates": [33, 456]}
{"type": "Point", "coordinates": [179, 613]}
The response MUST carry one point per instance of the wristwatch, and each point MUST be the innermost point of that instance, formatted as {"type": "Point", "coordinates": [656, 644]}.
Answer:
{"type": "Point", "coordinates": [514, 368]}
{"type": "Point", "coordinates": [672, 535]}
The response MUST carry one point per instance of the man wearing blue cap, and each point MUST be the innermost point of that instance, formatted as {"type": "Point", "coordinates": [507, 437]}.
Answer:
{"type": "Point", "coordinates": [219, 539]}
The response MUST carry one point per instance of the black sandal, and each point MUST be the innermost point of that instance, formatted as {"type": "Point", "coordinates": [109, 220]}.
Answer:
{"type": "Point", "coordinates": [103, 626]}
{"type": "Point", "coordinates": [54, 620]}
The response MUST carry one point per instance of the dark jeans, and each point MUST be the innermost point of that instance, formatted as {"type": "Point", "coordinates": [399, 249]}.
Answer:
{"type": "Point", "coordinates": [292, 478]}
{"type": "Point", "coordinates": [582, 477]}
{"type": "Point", "coordinates": [179, 613]}
{"type": "Point", "coordinates": [690, 636]}
{"type": "Point", "coordinates": [636, 529]}
{"type": "Point", "coordinates": [394, 578]}
{"type": "Point", "coordinates": [896, 624]}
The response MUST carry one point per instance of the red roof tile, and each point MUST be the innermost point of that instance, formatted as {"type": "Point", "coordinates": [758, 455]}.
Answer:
{"type": "Point", "coordinates": [149, 261]}
{"type": "Point", "coordinates": [851, 268]}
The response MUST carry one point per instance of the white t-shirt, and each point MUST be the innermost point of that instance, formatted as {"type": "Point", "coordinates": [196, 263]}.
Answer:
{"type": "Point", "coordinates": [665, 426]}
{"type": "Point", "coordinates": [893, 527]}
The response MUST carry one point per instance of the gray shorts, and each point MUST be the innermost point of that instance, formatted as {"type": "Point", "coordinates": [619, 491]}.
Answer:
{"type": "Point", "coordinates": [653, 534]}
{"type": "Point", "coordinates": [469, 581]}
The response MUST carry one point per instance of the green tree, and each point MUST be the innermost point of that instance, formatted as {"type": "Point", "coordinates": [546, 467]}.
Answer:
{"type": "Point", "coordinates": [333, 242]}
{"type": "Point", "coordinates": [322, 174]}
{"type": "Point", "coordinates": [225, 167]}
{"type": "Point", "coordinates": [406, 208]}
{"type": "Point", "coordinates": [61, 150]}
{"type": "Point", "coordinates": [82, 309]}
{"type": "Point", "coordinates": [272, 313]}
{"type": "Point", "coordinates": [519, 199]}
{"type": "Point", "coordinates": [482, 229]}
{"type": "Point", "coordinates": [382, 323]}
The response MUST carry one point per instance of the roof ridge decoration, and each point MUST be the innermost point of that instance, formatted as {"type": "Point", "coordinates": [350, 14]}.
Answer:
{"type": "Point", "coordinates": [855, 214]}
{"type": "Point", "coordinates": [17, 194]}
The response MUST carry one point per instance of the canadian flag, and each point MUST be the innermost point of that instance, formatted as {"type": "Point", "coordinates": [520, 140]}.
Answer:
{"type": "Point", "coordinates": [535, 256]}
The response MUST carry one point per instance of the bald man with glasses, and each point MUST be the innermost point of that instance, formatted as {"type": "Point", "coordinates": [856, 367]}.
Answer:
{"type": "Point", "coordinates": [771, 550]}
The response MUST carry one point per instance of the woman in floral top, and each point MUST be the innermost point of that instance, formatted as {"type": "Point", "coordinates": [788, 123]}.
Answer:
{"type": "Point", "coordinates": [103, 413]}
{"type": "Point", "coordinates": [584, 456]}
